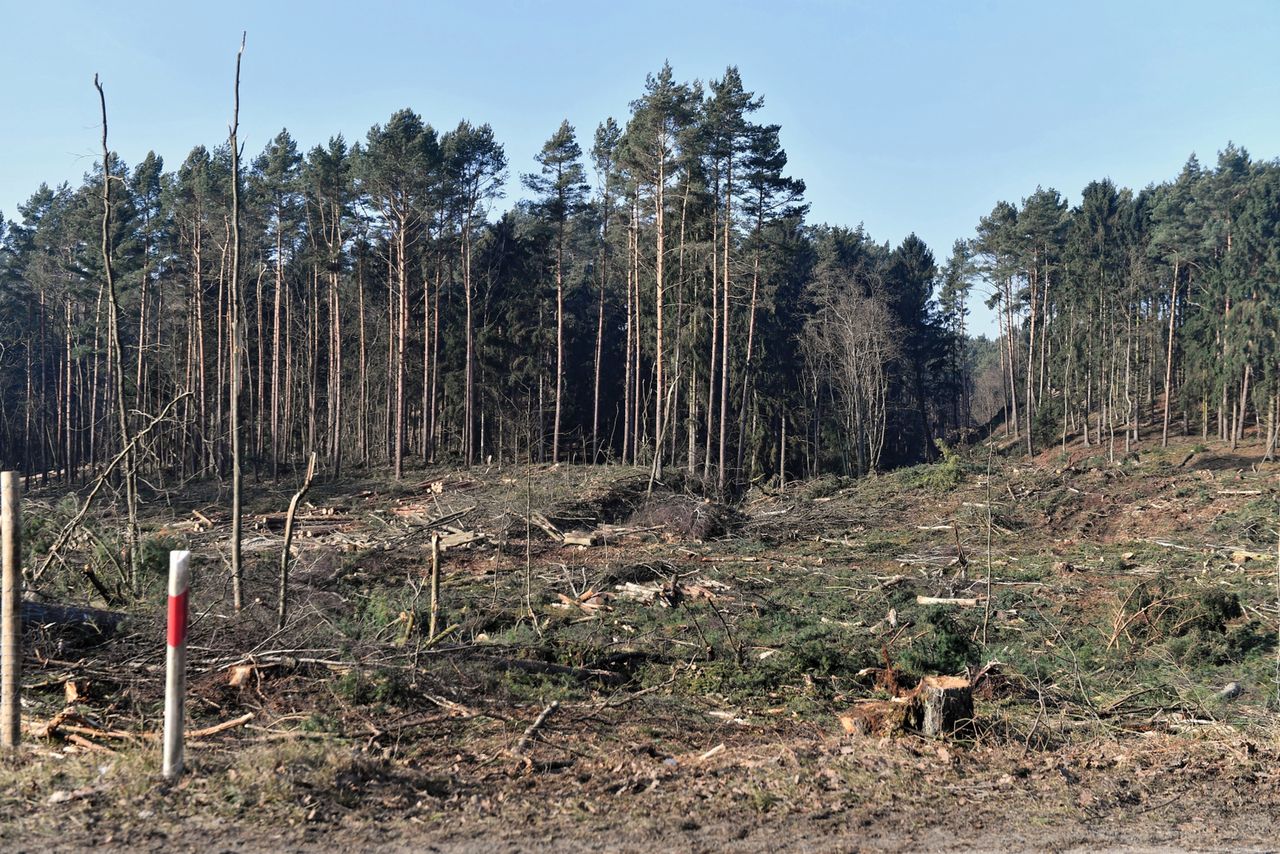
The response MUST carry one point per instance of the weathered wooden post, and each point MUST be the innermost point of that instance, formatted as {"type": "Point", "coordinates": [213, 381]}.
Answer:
{"type": "Point", "coordinates": [10, 611]}
{"type": "Point", "coordinates": [175, 684]}
{"type": "Point", "coordinates": [435, 587]}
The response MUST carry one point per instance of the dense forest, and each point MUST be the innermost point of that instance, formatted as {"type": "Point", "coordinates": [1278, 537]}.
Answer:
{"type": "Point", "coordinates": [659, 299]}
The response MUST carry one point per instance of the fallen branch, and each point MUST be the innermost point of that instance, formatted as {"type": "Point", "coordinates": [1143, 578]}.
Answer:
{"type": "Point", "coordinates": [222, 727]}
{"type": "Point", "coordinates": [81, 741]}
{"type": "Point", "coordinates": [75, 725]}
{"type": "Point", "coordinates": [70, 527]}
{"type": "Point", "coordinates": [534, 727]}
{"type": "Point", "coordinates": [715, 751]}
{"type": "Point", "coordinates": [529, 665]}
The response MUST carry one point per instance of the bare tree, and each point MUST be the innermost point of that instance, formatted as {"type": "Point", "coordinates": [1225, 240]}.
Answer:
{"type": "Point", "coordinates": [237, 569]}
{"type": "Point", "coordinates": [850, 343]}
{"type": "Point", "coordinates": [117, 354]}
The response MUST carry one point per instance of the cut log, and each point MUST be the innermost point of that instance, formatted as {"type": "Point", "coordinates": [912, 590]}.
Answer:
{"type": "Point", "coordinates": [939, 600]}
{"type": "Point", "coordinates": [583, 538]}
{"type": "Point", "coordinates": [49, 614]}
{"type": "Point", "coordinates": [644, 593]}
{"type": "Point", "coordinates": [945, 705]}
{"type": "Point", "coordinates": [460, 539]}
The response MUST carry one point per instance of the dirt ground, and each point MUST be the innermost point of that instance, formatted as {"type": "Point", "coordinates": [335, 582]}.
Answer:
{"type": "Point", "coordinates": [688, 668]}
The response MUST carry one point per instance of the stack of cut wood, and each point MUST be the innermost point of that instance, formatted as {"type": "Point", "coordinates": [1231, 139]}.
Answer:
{"type": "Point", "coordinates": [314, 524]}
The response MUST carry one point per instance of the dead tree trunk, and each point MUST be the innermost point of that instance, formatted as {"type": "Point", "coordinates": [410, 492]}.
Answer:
{"type": "Point", "coordinates": [282, 602]}
{"type": "Point", "coordinates": [237, 569]}
{"type": "Point", "coordinates": [122, 418]}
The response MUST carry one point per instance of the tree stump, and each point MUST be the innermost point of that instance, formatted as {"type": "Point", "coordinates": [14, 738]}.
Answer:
{"type": "Point", "coordinates": [883, 718]}
{"type": "Point", "coordinates": [945, 704]}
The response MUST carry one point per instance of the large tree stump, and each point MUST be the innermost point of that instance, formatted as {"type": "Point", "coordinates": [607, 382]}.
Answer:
{"type": "Point", "coordinates": [945, 704]}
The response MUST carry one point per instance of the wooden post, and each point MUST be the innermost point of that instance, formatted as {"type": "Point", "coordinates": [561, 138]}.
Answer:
{"type": "Point", "coordinates": [175, 682]}
{"type": "Point", "coordinates": [435, 586]}
{"type": "Point", "coordinates": [10, 611]}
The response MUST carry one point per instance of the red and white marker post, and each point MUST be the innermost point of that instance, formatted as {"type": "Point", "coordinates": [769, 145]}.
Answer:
{"type": "Point", "coordinates": [175, 683]}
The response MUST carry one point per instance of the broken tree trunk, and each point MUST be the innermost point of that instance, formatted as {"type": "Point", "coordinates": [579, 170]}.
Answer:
{"type": "Point", "coordinates": [282, 603]}
{"type": "Point", "coordinates": [10, 609]}
{"type": "Point", "coordinates": [544, 524]}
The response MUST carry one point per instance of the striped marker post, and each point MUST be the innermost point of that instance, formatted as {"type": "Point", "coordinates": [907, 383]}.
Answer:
{"type": "Point", "coordinates": [175, 683]}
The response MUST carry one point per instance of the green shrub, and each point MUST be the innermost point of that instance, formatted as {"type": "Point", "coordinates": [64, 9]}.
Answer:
{"type": "Point", "coordinates": [942, 476]}
{"type": "Point", "coordinates": [1046, 424]}
{"type": "Point", "coordinates": [361, 687]}
{"type": "Point", "coordinates": [945, 648]}
{"type": "Point", "coordinates": [153, 555]}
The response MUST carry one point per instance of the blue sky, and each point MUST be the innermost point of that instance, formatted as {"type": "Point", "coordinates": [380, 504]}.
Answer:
{"type": "Point", "coordinates": [902, 116]}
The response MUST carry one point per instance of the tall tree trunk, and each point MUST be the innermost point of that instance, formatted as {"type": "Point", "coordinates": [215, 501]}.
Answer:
{"type": "Point", "coordinates": [401, 331]}
{"type": "Point", "coordinates": [277, 398]}
{"type": "Point", "coordinates": [555, 428]}
{"type": "Point", "coordinates": [607, 209]}
{"type": "Point", "coordinates": [726, 300]}
{"type": "Point", "coordinates": [468, 428]}
{"type": "Point", "coordinates": [751, 337]}
{"type": "Point", "coordinates": [335, 375]}
{"type": "Point", "coordinates": [715, 331]}
{"type": "Point", "coordinates": [426, 366]}
{"type": "Point", "coordinates": [436, 426]}
{"type": "Point", "coordinates": [659, 396]}
{"type": "Point", "coordinates": [627, 438]}
{"type": "Point", "coordinates": [595, 388]}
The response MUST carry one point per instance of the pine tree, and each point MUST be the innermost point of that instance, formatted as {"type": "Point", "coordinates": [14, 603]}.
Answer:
{"type": "Point", "coordinates": [561, 187]}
